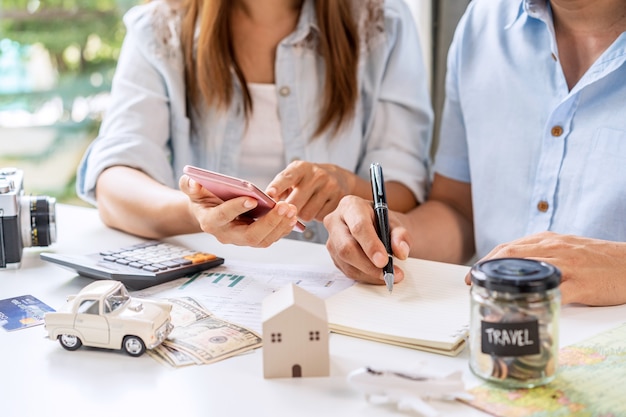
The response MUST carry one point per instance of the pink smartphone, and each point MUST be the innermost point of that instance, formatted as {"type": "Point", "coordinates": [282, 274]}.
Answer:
{"type": "Point", "coordinates": [226, 187]}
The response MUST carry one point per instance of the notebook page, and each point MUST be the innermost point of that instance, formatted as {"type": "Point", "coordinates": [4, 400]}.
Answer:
{"type": "Point", "coordinates": [429, 308]}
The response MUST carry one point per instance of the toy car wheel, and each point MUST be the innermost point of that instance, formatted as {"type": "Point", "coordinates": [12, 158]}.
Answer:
{"type": "Point", "coordinates": [134, 346]}
{"type": "Point", "coordinates": [70, 342]}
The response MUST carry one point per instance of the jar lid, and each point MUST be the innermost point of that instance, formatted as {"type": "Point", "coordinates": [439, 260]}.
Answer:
{"type": "Point", "coordinates": [516, 275]}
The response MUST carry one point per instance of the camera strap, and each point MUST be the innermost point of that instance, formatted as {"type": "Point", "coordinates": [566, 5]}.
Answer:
{"type": "Point", "coordinates": [3, 256]}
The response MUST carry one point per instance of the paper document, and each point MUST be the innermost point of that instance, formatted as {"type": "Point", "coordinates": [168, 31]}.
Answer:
{"type": "Point", "coordinates": [429, 310]}
{"type": "Point", "coordinates": [235, 290]}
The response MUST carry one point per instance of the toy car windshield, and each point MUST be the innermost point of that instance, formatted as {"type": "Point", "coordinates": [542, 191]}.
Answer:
{"type": "Point", "coordinates": [116, 300]}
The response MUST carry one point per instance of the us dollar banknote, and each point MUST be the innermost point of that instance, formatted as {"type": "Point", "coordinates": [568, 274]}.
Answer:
{"type": "Point", "coordinates": [199, 337]}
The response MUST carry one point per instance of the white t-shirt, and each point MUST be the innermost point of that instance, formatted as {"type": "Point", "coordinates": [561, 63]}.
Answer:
{"type": "Point", "coordinates": [262, 153]}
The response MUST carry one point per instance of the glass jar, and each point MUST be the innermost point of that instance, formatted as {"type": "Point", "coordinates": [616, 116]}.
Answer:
{"type": "Point", "coordinates": [514, 323]}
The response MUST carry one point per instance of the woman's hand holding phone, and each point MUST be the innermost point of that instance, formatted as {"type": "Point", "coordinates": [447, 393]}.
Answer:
{"type": "Point", "coordinates": [233, 210]}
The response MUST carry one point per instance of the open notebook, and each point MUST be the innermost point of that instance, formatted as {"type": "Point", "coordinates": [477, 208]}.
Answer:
{"type": "Point", "coordinates": [429, 310]}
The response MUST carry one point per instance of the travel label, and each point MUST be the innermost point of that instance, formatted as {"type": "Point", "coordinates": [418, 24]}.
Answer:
{"type": "Point", "coordinates": [510, 339]}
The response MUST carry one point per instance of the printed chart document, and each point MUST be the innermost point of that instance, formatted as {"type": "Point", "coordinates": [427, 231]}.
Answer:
{"type": "Point", "coordinates": [429, 310]}
{"type": "Point", "coordinates": [235, 290]}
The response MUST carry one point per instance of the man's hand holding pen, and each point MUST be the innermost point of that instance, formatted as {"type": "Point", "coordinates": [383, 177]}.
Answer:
{"type": "Point", "coordinates": [366, 239]}
{"type": "Point", "coordinates": [381, 218]}
{"type": "Point", "coordinates": [359, 252]}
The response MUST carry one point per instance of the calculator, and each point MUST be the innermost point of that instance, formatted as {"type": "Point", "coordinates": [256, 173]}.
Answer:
{"type": "Point", "coordinates": [138, 266]}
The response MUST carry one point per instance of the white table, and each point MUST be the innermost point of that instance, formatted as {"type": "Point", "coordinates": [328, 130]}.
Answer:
{"type": "Point", "coordinates": [39, 378]}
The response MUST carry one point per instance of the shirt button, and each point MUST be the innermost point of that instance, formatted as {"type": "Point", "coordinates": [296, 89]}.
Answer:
{"type": "Point", "coordinates": [553, 56]}
{"type": "Point", "coordinates": [557, 131]}
{"type": "Point", "coordinates": [284, 91]}
{"type": "Point", "coordinates": [543, 206]}
{"type": "Point", "coordinates": [308, 234]}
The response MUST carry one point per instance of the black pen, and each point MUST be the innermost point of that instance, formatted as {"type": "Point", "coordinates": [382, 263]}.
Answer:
{"type": "Point", "coordinates": [382, 219]}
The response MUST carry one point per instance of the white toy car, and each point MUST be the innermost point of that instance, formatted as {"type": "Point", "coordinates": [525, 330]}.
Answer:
{"type": "Point", "coordinates": [104, 315]}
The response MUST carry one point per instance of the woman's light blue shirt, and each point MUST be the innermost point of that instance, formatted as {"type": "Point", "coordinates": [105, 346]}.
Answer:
{"type": "Point", "coordinates": [539, 156]}
{"type": "Point", "coordinates": [147, 126]}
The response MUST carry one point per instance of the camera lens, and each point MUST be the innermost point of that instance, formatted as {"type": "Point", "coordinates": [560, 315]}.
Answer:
{"type": "Point", "coordinates": [38, 221]}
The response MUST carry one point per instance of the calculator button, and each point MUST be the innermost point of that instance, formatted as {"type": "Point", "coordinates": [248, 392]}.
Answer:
{"type": "Point", "coordinates": [110, 258]}
{"type": "Point", "coordinates": [136, 264]}
{"type": "Point", "coordinates": [150, 268]}
{"type": "Point", "coordinates": [197, 258]}
{"type": "Point", "coordinates": [122, 261]}
{"type": "Point", "coordinates": [182, 261]}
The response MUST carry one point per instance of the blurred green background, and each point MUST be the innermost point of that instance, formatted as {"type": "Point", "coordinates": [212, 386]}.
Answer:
{"type": "Point", "coordinates": [57, 59]}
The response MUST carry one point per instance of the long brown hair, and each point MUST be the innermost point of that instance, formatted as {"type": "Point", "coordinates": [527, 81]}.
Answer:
{"type": "Point", "coordinates": [208, 69]}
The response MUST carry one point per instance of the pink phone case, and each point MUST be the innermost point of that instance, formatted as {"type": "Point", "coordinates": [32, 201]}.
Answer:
{"type": "Point", "coordinates": [226, 187]}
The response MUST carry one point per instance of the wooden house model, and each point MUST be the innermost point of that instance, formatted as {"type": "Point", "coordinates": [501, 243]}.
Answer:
{"type": "Point", "coordinates": [295, 334]}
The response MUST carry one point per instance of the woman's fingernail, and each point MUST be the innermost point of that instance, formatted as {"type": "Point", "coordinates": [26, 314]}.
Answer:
{"type": "Point", "coordinates": [248, 203]}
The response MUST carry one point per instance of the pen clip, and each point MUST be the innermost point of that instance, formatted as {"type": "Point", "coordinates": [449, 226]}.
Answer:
{"type": "Point", "coordinates": [378, 185]}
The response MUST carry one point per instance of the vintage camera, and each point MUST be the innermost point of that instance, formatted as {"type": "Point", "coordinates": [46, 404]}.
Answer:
{"type": "Point", "coordinates": [25, 221]}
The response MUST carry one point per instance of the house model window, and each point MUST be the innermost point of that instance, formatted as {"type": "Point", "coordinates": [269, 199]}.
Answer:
{"type": "Point", "coordinates": [291, 349]}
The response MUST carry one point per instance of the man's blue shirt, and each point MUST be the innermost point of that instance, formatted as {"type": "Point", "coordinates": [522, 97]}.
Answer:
{"type": "Point", "coordinates": [538, 155]}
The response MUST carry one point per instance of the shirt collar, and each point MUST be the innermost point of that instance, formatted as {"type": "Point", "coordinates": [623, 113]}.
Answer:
{"type": "Point", "coordinates": [307, 24]}
{"type": "Point", "coordinates": [537, 9]}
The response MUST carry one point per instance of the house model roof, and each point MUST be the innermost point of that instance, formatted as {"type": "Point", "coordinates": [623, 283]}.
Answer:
{"type": "Point", "coordinates": [293, 295]}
